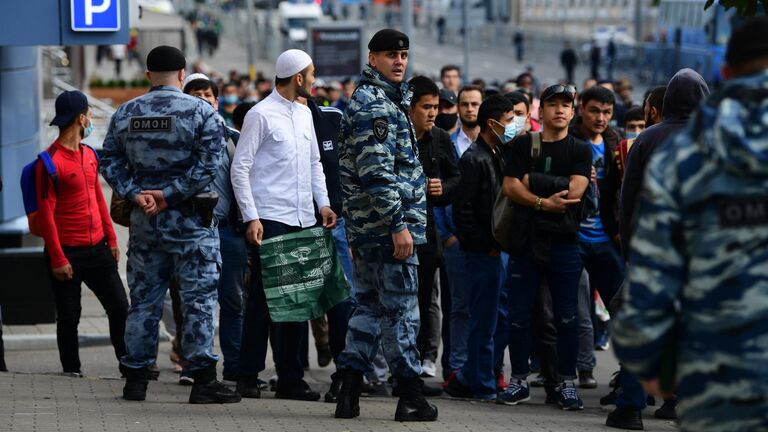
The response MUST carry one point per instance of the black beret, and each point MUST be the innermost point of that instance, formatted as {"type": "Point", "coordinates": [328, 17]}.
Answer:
{"type": "Point", "coordinates": [388, 40]}
{"type": "Point", "coordinates": [748, 42]}
{"type": "Point", "coordinates": [165, 58]}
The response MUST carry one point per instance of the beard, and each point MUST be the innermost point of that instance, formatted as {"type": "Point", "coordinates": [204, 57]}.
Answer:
{"type": "Point", "coordinates": [468, 124]}
{"type": "Point", "coordinates": [301, 91]}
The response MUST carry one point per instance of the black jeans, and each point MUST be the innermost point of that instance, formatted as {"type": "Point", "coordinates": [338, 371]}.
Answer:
{"type": "Point", "coordinates": [96, 267]}
{"type": "Point", "coordinates": [428, 339]}
{"type": "Point", "coordinates": [3, 367]}
{"type": "Point", "coordinates": [288, 337]}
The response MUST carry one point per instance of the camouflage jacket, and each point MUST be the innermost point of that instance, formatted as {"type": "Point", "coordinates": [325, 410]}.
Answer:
{"type": "Point", "coordinates": [164, 140]}
{"type": "Point", "coordinates": [382, 180]}
{"type": "Point", "coordinates": [697, 303]}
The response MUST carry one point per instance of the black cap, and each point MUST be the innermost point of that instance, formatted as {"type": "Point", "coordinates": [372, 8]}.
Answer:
{"type": "Point", "coordinates": [448, 96]}
{"type": "Point", "coordinates": [68, 105]}
{"type": "Point", "coordinates": [568, 91]}
{"type": "Point", "coordinates": [748, 42]}
{"type": "Point", "coordinates": [388, 40]}
{"type": "Point", "coordinates": [165, 58]}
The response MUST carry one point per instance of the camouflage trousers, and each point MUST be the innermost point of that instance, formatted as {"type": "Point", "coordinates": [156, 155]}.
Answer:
{"type": "Point", "coordinates": [174, 245]}
{"type": "Point", "coordinates": [387, 311]}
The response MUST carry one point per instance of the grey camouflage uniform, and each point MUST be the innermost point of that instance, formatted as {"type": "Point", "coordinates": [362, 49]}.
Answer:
{"type": "Point", "coordinates": [173, 142]}
{"type": "Point", "coordinates": [698, 298]}
{"type": "Point", "coordinates": [382, 184]}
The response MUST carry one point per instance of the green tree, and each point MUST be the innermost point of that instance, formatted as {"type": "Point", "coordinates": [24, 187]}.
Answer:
{"type": "Point", "coordinates": [745, 8]}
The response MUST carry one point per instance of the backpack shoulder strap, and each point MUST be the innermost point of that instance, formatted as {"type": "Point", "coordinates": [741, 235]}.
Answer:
{"type": "Point", "coordinates": [49, 167]}
{"type": "Point", "coordinates": [535, 145]}
{"type": "Point", "coordinates": [95, 153]}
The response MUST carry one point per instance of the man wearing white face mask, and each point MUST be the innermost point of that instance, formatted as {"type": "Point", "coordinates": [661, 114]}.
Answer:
{"type": "Point", "coordinates": [481, 168]}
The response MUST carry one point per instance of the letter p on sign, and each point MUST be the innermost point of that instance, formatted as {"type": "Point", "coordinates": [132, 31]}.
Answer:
{"type": "Point", "coordinates": [95, 15]}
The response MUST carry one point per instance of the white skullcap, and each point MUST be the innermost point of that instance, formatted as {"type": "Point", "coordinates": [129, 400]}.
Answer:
{"type": "Point", "coordinates": [194, 76]}
{"type": "Point", "coordinates": [292, 62]}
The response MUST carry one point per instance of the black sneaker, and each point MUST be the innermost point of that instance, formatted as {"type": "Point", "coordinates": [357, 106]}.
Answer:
{"type": "Point", "coordinates": [626, 418]}
{"type": "Point", "coordinates": [567, 397]}
{"type": "Point", "coordinates": [587, 380]}
{"type": "Point", "coordinates": [212, 392]}
{"type": "Point", "coordinates": [333, 392]}
{"type": "Point", "coordinates": [516, 392]}
{"type": "Point", "coordinates": [299, 390]}
{"type": "Point", "coordinates": [249, 387]}
{"type": "Point", "coordinates": [426, 389]}
{"type": "Point", "coordinates": [378, 389]}
{"type": "Point", "coordinates": [551, 398]}
{"type": "Point", "coordinates": [667, 410]}
{"type": "Point", "coordinates": [456, 388]}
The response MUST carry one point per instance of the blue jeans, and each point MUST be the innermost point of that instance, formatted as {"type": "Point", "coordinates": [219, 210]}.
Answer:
{"type": "Point", "coordinates": [456, 267]}
{"type": "Point", "coordinates": [525, 277]}
{"type": "Point", "coordinates": [485, 281]}
{"type": "Point", "coordinates": [234, 262]}
{"type": "Point", "coordinates": [342, 247]}
{"type": "Point", "coordinates": [288, 336]}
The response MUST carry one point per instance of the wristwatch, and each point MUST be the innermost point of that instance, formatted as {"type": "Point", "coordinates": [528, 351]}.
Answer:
{"type": "Point", "coordinates": [537, 206]}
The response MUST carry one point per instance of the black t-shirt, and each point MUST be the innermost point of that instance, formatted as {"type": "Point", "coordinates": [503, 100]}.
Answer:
{"type": "Point", "coordinates": [562, 158]}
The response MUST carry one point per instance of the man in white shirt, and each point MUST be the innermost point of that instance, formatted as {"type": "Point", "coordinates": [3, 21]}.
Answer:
{"type": "Point", "coordinates": [276, 174]}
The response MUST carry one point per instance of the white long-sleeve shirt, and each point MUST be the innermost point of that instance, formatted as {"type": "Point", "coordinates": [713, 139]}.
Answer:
{"type": "Point", "coordinates": [276, 170]}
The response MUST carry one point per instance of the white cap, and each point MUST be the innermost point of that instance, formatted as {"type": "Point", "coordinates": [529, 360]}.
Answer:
{"type": "Point", "coordinates": [292, 62]}
{"type": "Point", "coordinates": [194, 76]}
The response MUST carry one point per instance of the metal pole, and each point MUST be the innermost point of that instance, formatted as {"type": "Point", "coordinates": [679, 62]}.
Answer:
{"type": "Point", "coordinates": [465, 26]}
{"type": "Point", "coordinates": [406, 9]}
{"type": "Point", "coordinates": [251, 43]}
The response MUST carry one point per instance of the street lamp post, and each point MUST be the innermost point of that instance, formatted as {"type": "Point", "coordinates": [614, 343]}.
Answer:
{"type": "Point", "coordinates": [406, 9]}
{"type": "Point", "coordinates": [250, 43]}
{"type": "Point", "coordinates": [465, 26]}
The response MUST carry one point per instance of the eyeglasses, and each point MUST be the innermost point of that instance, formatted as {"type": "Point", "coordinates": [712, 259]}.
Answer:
{"type": "Point", "coordinates": [559, 89]}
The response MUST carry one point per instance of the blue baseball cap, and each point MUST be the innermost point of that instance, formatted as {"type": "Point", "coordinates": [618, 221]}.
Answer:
{"type": "Point", "coordinates": [68, 105]}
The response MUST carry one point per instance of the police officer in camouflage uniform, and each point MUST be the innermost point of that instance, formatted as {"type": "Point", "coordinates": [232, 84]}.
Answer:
{"type": "Point", "coordinates": [695, 321]}
{"type": "Point", "coordinates": [161, 152]}
{"type": "Point", "coordinates": [385, 208]}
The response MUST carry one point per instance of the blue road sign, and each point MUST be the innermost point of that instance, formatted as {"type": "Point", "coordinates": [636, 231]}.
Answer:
{"type": "Point", "coordinates": [95, 15]}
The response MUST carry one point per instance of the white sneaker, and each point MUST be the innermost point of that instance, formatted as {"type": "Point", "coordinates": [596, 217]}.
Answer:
{"type": "Point", "coordinates": [428, 368]}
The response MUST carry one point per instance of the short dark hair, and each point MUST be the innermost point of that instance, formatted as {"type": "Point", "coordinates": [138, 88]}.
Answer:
{"type": "Point", "coordinates": [201, 84]}
{"type": "Point", "coordinates": [517, 97]}
{"type": "Point", "coordinates": [230, 84]}
{"type": "Point", "coordinates": [471, 87]}
{"type": "Point", "coordinates": [747, 42]}
{"type": "Point", "coordinates": [634, 114]}
{"type": "Point", "coordinates": [599, 94]}
{"type": "Point", "coordinates": [656, 97]}
{"type": "Point", "coordinates": [422, 86]}
{"type": "Point", "coordinates": [604, 81]}
{"type": "Point", "coordinates": [448, 68]}
{"type": "Point", "coordinates": [494, 107]}
{"type": "Point", "coordinates": [522, 76]}
{"type": "Point", "coordinates": [238, 115]}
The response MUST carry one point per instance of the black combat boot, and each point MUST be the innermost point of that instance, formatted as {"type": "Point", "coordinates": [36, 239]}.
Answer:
{"type": "Point", "coordinates": [136, 381]}
{"type": "Point", "coordinates": [206, 390]}
{"type": "Point", "coordinates": [348, 403]}
{"type": "Point", "coordinates": [626, 418]}
{"type": "Point", "coordinates": [413, 406]}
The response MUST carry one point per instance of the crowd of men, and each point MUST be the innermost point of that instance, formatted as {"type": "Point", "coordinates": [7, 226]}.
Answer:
{"type": "Point", "coordinates": [505, 208]}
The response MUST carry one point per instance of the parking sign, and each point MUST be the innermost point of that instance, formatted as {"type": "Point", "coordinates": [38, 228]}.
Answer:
{"type": "Point", "coordinates": [95, 15]}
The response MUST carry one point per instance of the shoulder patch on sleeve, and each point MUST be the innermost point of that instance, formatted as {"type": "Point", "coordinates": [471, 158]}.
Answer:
{"type": "Point", "coordinates": [380, 128]}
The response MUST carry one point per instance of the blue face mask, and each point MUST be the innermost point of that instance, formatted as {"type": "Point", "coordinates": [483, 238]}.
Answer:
{"type": "Point", "coordinates": [229, 99]}
{"type": "Point", "coordinates": [88, 130]}
{"type": "Point", "coordinates": [632, 135]}
{"type": "Point", "coordinates": [513, 129]}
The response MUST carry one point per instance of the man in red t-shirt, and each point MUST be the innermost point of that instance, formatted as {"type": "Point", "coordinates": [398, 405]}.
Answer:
{"type": "Point", "coordinates": [80, 243]}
